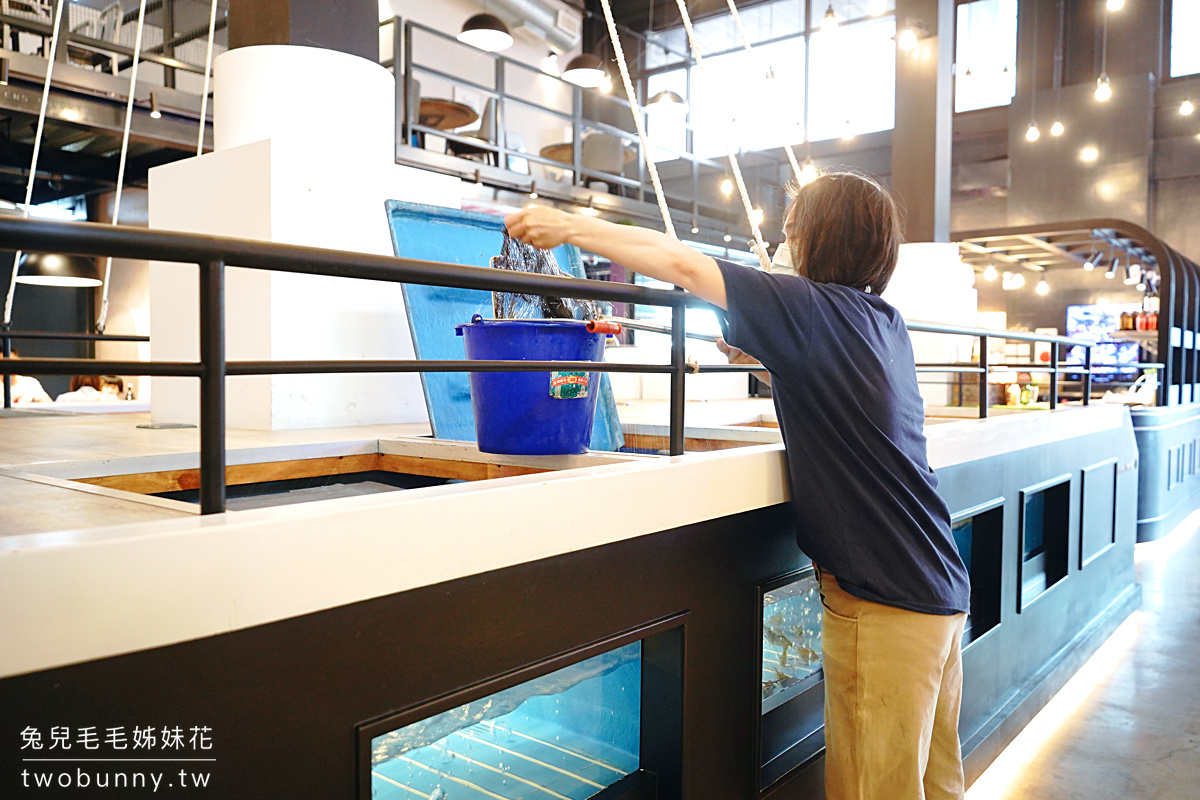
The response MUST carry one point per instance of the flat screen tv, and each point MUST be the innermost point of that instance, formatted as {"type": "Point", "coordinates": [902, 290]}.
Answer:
{"type": "Point", "coordinates": [1096, 323]}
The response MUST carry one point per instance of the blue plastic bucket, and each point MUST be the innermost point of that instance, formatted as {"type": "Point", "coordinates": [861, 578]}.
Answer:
{"type": "Point", "coordinates": [533, 413]}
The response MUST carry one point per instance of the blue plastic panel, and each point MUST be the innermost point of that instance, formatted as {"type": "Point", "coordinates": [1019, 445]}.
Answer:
{"type": "Point", "coordinates": [434, 233]}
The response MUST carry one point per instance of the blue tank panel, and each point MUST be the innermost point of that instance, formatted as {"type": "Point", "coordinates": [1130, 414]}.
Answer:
{"type": "Point", "coordinates": [434, 233]}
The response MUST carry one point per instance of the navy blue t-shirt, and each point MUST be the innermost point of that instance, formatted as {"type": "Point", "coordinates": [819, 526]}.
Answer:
{"type": "Point", "coordinates": [845, 388]}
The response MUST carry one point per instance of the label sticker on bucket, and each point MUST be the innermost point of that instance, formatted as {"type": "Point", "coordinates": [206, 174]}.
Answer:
{"type": "Point", "coordinates": [568, 385]}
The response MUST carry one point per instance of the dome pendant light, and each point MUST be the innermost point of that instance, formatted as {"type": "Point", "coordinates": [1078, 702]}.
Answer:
{"type": "Point", "coordinates": [829, 22]}
{"type": "Point", "coordinates": [487, 32]}
{"type": "Point", "coordinates": [585, 70]}
{"type": "Point", "coordinates": [51, 269]}
{"type": "Point", "coordinates": [664, 102]}
{"type": "Point", "coordinates": [1103, 89]}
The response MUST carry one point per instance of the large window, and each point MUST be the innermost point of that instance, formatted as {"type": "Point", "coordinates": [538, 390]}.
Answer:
{"type": "Point", "coordinates": [853, 89]}
{"type": "Point", "coordinates": [1185, 33]}
{"type": "Point", "coordinates": [757, 98]}
{"type": "Point", "coordinates": [985, 54]}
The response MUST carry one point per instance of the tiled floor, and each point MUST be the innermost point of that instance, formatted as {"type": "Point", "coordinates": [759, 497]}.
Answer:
{"type": "Point", "coordinates": [1128, 725]}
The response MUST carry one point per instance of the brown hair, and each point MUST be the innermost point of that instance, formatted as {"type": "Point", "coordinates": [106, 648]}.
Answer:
{"type": "Point", "coordinates": [79, 381]}
{"type": "Point", "coordinates": [844, 228]}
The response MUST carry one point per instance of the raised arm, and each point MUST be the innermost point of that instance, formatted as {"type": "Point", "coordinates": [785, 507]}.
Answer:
{"type": "Point", "coordinates": [648, 252]}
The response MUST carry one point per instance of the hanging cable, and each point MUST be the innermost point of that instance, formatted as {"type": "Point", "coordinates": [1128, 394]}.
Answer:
{"type": "Point", "coordinates": [759, 247]}
{"type": "Point", "coordinates": [133, 71]}
{"type": "Point", "coordinates": [37, 147]}
{"type": "Point", "coordinates": [212, 27]}
{"type": "Point", "coordinates": [787, 148]}
{"type": "Point", "coordinates": [619, 52]}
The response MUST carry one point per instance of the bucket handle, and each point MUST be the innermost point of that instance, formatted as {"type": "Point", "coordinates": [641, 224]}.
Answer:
{"type": "Point", "coordinates": [603, 326]}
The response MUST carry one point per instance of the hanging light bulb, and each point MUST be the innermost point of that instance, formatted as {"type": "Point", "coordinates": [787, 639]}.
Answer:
{"type": "Point", "coordinates": [1089, 154]}
{"type": "Point", "coordinates": [1114, 5]}
{"type": "Point", "coordinates": [1057, 129]}
{"type": "Point", "coordinates": [1042, 287]}
{"type": "Point", "coordinates": [770, 73]}
{"type": "Point", "coordinates": [808, 173]}
{"type": "Point", "coordinates": [1103, 89]}
{"type": "Point", "coordinates": [606, 84]}
{"type": "Point", "coordinates": [829, 22]}
{"type": "Point", "coordinates": [1032, 133]}
{"type": "Point", "coordinates": [989, 274]}
{"type": "Point", "coordinates": [727, 187]}
{"type": "Point", "coordinates": [756, 216]}
{"type": "Point", "coordinates": [906, 40]}
{"type": "Point", "coordinates": [1186, 108]}
{"type": "Point", "coordinates": [487, 32]}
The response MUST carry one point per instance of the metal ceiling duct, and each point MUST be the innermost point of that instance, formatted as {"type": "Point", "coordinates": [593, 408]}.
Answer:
{"type": "Point", "coordinates": [558, 25]}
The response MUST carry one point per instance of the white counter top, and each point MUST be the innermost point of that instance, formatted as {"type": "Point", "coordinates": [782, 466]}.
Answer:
{"type": "Point", "coordinates": [88, 593]}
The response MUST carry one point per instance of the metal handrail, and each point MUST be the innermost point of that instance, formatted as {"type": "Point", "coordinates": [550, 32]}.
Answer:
{"type": "Point", "coordinates": [213, 254]}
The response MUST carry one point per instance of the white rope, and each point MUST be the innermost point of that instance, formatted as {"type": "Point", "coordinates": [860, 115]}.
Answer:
{"type": "Point", "coordinates": [787, 148]}
{"type": "Point", "coordinates": [637, 119]}
{"type": "Point", "coordinates": [37, 147]}
{"type": "Point", "coordinates": [137, 56]}
{"type": "Point", "coordinates": [759, 247]}
{"type": "Point", "coordinates": [212, 26]}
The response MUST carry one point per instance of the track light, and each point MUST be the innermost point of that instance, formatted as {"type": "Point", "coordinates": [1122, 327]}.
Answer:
{"type": "Point", "coordinates": [728, 238]}
{"type": "Point", "coordinates": [1089, 263]}
{"type": "Point", "coordinates": [829, 22]}
{"type": "Point", "coordinates": [1057, 129]}
{"type": "Point", "coordinates": [1103, 89]}
{"type": "Point", "coordinates": [695, 227]}
{"type": "Point", "coordinates": [533, 192]}
{"type": "Point", "coordinates": [1032, 134]}
{"type": "Point", "coordinates": [727, 187]}
{"type": "Point", "coordinates": [1043, 288]}
{"type": "Point", "coordinates": [1186, 108]}
{"type": "Point", "coordinates": [590, 209]}
{"type": "Point", "coordinates": [1112, 269]}
{"type": "Point", "coordinates": [487, 32]}
{"type": "Point", "coordinates": [989, 273]}
{"type": "Point", "coordinates": [155, 111]}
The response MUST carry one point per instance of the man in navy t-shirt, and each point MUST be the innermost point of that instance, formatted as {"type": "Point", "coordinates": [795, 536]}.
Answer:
{"type": "Point", "coordinates": [843, 377]}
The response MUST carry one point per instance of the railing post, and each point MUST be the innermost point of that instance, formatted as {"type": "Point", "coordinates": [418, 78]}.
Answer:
{"type": "Point", "coordinates": [1053, 375]}
{"type": "Point", "coordinates": [212, 387]}
{"type": "Point", "coordinates": [7, 377]}
{"type": "Point", "coordinates": [1087, 376]}
{"type": "Point", "coordinates": [678, 371]}
{"type": "Point", "coordinates": [983, 377]}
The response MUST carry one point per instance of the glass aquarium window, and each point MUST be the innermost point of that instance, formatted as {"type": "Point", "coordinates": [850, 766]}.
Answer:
{"type": "Point", "coordinates": [791, 647]}
{"type": "Point", "coordinates": [985, 54]}
{"type": "Point", "coordinates": [569, 734]}
{"type": "Point", "coordinates": [853, 85]}
{"type": "Point", "coordinates": [1185, 31]}
{"type": "Point", "coordinates": [979, 539]}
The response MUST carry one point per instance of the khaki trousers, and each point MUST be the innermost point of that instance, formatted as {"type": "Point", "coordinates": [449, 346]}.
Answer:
{"type": "Point", "coordinates": [893, 686]}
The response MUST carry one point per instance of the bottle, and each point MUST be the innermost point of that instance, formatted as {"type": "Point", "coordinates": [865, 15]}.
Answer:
{"type": "Point", "coordinates": [129, 391]}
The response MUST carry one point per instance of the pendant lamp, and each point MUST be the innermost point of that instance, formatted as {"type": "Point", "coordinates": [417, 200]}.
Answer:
{"type": "Point", "coordinates": [585, 70]}
{"type": "Point", "coordinates": [487, 32]}
{"type": "Point", "coordinates": [52, 269]}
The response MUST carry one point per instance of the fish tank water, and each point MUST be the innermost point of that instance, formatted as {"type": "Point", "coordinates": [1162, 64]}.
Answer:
{"type": "Point", "coordinates": [791, 645]}
{"type": "Point", "coordinates": [566, 735]}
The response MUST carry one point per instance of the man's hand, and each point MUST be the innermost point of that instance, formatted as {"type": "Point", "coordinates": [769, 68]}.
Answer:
{"type": "Point", "coordinates": [541, 226]}
{"type": "Point", "coordinates": [737, 356]}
